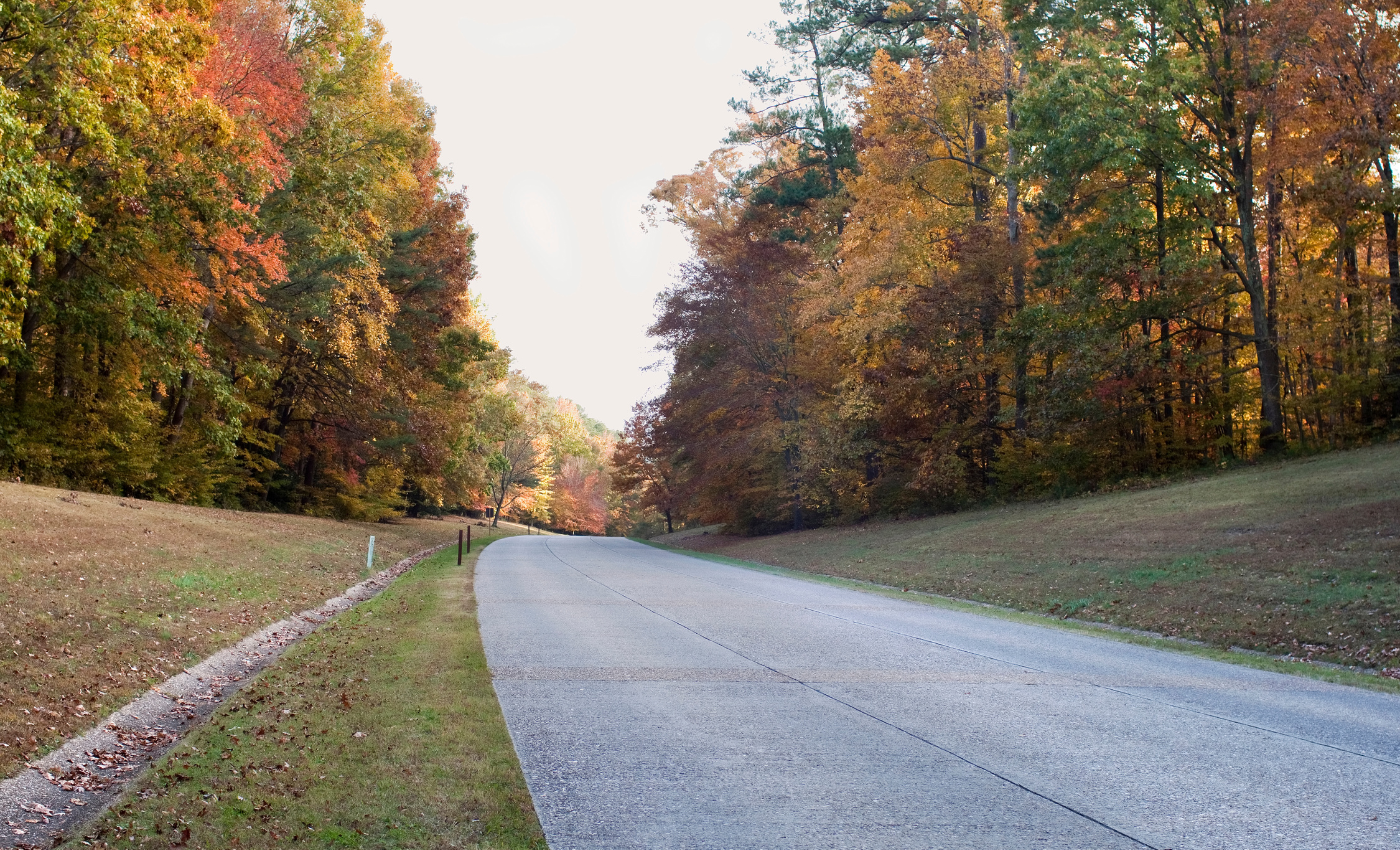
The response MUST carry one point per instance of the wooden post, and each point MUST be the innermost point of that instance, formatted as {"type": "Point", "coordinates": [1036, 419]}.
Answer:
{"type": "Point", "coordinates": [459, 547]}
{"type": "Point", "coordinates": [469, 539]}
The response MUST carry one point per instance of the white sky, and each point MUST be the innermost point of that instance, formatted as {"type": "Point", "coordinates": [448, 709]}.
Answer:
{"type": "Point", "coordinates": [559, 117]}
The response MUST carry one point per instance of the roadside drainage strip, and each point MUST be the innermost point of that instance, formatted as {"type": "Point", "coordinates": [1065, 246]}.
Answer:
{"type": "Point", "coordinates": [54, 797]}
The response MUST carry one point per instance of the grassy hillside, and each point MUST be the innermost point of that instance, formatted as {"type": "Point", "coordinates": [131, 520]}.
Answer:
{"type": "Point", "coordinates": [101, 597]}
{"type": "Point", "coordinates": [1299, 558]}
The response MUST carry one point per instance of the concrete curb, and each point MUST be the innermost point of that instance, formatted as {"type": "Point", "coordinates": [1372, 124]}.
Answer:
{"type": "Point", "coordinates": [54, 797]}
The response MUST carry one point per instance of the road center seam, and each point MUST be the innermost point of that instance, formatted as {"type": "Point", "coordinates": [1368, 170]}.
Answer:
{"type": "Point", "coordinates": [1031, 669]}
{"type": "Point", "coordinates": [856, 709]}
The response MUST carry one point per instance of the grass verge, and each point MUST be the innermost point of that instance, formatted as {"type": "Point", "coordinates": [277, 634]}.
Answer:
{"type": "Point", "coordinates": [380, 730]}
{"type": "Point", "coordinates": [100, 597]}
{"type": "Point", "coordinates": [1299, 558]}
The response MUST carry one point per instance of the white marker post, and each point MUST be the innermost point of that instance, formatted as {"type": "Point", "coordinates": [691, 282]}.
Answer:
{"type": "Point", "coordinates": [369, 562]}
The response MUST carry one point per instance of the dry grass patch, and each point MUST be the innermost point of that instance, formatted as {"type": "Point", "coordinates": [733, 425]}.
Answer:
{"type": "Point", "coordinates": [1299, 558]}
{"type": "Point", "coordinates": [381, 730]}
{"type": "Point", "coordinates": [101, 597]}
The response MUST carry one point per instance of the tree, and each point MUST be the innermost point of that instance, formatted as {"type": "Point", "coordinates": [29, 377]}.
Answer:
{"type": "Point", "coordinates": [232, 269]}
{"type": "Point", "coordinates": [646, 462]}
{"type": "Point", "coordinates": [1194, 264]}
{"type": "Point", "coordinates": [520, 463]}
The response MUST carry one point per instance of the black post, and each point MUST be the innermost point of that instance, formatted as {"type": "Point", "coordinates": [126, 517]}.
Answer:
{"type": "Point", "coordinates": [469, 539]}
{"type": "Point", "coordinates": [459, 547]}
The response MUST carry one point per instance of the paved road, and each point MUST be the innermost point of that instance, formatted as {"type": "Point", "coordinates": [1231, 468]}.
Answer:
{"type": "Point", "coordinates": [660, 701]}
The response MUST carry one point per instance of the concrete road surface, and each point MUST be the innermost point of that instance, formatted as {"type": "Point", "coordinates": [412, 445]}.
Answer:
{"type": "Point", "coordinates": [661, 701]}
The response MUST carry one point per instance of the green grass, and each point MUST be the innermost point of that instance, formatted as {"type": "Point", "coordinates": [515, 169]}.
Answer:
{"type": "Point", "coordinates": [280, 765]}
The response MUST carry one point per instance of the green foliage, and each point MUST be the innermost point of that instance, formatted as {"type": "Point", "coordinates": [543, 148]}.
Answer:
{"type": "Point", "coordinates": [232, 270]}
{"type": "Point", "coordinates": [986, 252]}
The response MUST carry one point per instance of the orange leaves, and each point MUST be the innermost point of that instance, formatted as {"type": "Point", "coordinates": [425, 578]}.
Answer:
{"type": "Point", "coordinates": [234, 263]}
{"type": "Point", "coordinates": [252, 77]}
{"type": "Point", "coordinates": [240, 250]}
{"type": "Point", "coordinates": [579, 501]}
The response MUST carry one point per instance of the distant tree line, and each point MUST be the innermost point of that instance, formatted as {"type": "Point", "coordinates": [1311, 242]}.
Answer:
{"type": "Point", "coordinates": [961, 250]}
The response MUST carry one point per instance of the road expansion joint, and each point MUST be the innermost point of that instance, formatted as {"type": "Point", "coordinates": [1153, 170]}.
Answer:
{"type": "Point", "coordinates": [1067, 676]}
{"type": "Point", "coordinates": [876, 718]}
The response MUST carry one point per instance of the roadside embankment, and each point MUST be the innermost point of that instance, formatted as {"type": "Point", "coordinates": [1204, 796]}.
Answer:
{"type": "Point", "coordinates": [1299, 558]}
{"type": "Point", "coordinates": [102, 597]}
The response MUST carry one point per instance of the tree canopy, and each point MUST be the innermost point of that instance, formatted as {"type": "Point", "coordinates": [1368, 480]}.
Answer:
{"type": "Point", "coordinates": [234, 272]}
{"type": "Point", "coordinates": [965, 250]}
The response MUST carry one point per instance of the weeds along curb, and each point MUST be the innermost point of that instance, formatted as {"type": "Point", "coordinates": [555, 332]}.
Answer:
{"type": "Point", "coordinates": [1288, 665]}
{"type": "Point", "coordinates": [56, 795]}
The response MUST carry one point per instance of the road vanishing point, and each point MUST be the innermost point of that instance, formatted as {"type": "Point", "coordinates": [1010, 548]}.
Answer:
{"type": "Point", "coordinates": [663, 701]}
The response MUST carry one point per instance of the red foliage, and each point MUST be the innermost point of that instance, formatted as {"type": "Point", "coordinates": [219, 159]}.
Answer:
{"type": "Point", "coordinates": [580, 498]}
{"type": "Point", "coordinates": [251, 75]}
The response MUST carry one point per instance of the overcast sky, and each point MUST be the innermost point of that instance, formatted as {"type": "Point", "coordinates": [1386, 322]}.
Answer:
{"type": "Point", "coordinates": [559, 120]}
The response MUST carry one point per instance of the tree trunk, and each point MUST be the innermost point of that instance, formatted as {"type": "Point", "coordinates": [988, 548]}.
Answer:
{"type": "Point", "coordinates": [1237, 69]}
{"type": "Point", "coordinates": [1159, 206]}
{"type": "Point", "coordinates": [62, 360]}
{"type": "Point", "coordinates": [825, 116]}
{"type": "Point", "coordinates": [1227, 428]}
{"type": "Point", "coordinates": [1265, 340]}
{"type": "Point", "coordinates": [991, 387]}
{"type": "Point", "coordinates": [24, 373]}
{"type": "Point", "coordinates": [791, 464]}
{"type": "Point", "coordinates": [1391, 219]}
{"type": "Point", "coordinates": [1357, 299]}
{"type": "Point", "coordinates": [177, 416]}
{"type": "Point", "coordinates": [1018, 267]}
{"type": "Point", "coordinates": [1273, 240]}
{"type": "Point", "coordinates": [1392, 257]}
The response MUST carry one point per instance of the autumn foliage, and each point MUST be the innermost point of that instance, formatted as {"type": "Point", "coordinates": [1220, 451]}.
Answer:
{"type": "Point", "coordinates": [963, 250]}
{"type": "Point", "coordinates": [232, 269]}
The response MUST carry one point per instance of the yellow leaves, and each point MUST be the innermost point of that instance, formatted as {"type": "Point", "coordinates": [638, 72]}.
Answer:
{"type": "Point", "coordinates": [474, 319]}
{"type": "Point", "coordinates": [695, 199]}
{"type": "Point", "coordinates": [362, 309]}
{"type": "Point", "coordinates": [383, 482]}
{"type": "Point", "coordinates": [936, 141]}
{"type": "Point", "coordinates": [941, 472]}
{"type": "Point", "coordinates": [217, 124]}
